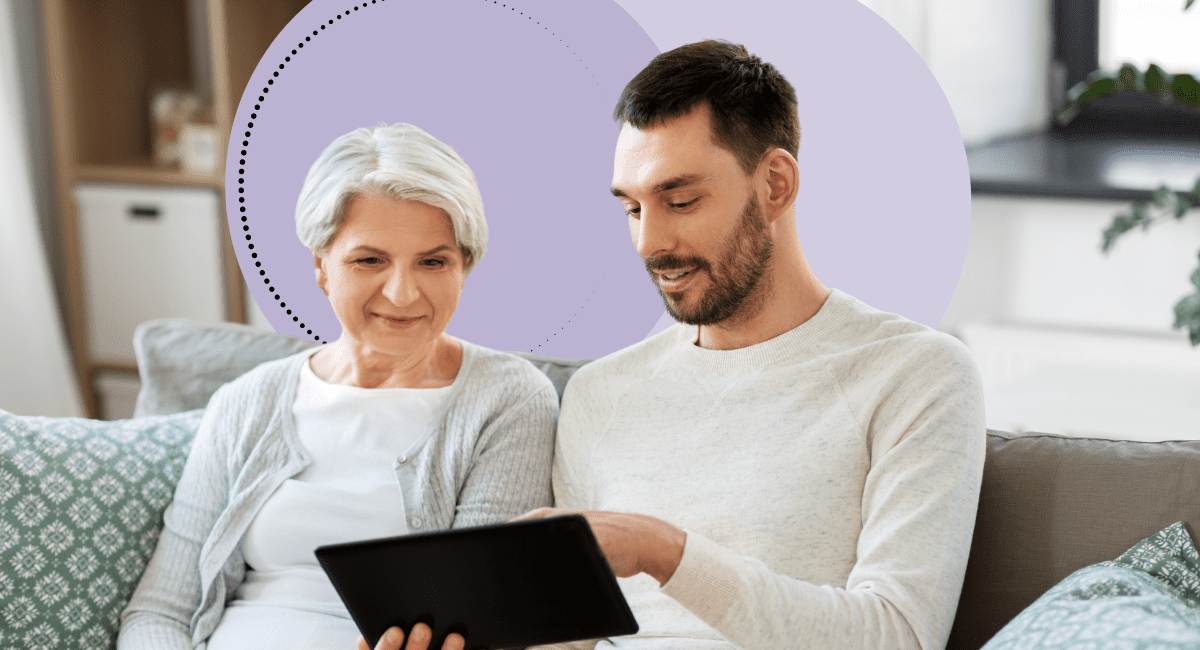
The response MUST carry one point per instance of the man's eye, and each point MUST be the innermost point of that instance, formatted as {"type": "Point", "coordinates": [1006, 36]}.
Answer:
{"type": "Point", "coordinates": [632, 212]}
{"type": "Point", "coordinates": [679, 206]}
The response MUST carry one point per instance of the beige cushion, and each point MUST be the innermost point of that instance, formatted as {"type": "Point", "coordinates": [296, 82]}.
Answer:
{"type": "Point", "coordinates": [1050, 505]}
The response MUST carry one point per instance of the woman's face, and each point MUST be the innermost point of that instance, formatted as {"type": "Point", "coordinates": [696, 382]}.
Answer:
{"type": "Point", "coordinates": [393, 273]}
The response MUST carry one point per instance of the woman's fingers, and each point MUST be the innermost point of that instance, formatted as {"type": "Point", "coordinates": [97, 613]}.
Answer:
{"type": "Point", "coordinates": [391, 640]}
{"type": "Point", "coordinates": [419, 638]}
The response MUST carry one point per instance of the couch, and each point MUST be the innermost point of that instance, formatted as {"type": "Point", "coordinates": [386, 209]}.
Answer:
{"type": "Point", "coordinates": [1049, 504]}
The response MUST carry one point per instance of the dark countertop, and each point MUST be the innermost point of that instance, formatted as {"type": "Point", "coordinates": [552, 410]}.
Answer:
{"type": "Point", "coordinates": [1118, 167]}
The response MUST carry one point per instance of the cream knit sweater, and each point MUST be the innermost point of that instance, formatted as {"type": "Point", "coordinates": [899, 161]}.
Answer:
{"type": "Point", "coordinates": [827, 480]}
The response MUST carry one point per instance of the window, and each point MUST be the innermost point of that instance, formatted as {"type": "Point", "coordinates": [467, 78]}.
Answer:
{"type": "Point", "coordinates": [1091, 34]}
{"type": "Point", "coordinates": [1142, 32]}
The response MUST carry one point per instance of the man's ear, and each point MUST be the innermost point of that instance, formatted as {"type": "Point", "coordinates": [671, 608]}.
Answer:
{"type": "Point", "coordinates": [319, 263]}
{"type": "Point", "coordinates": [783, 181]}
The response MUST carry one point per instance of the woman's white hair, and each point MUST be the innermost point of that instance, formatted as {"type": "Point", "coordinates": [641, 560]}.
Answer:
{"type": "Point", "coordinates": [399, 162]}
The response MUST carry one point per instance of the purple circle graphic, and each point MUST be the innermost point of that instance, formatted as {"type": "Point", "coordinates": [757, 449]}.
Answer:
{"type": "Point", "coordinates": [525, 92]}
{"type": "Point", "coordinates": [884, 207]}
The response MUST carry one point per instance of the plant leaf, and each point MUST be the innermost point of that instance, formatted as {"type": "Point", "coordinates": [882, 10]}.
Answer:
{"type": "Point", "coordinates": [1187, 314]}
{"type": "Point", "coordinates": [1121, 224]}
{"type": "Point", "coordinates": [1163, 197]}
{"type": "Point", "coordinates": [1067, 114]}
{"type": "Point", "coordinates": [1101, 88]}
{"type": "Point", "coordinates": [1186, 89]}
{"type": "Point", "coordinates": [1139, 214]}
{"type": "Point", "coordinates": [1156, 80]}
{"type": "Point", "coordinates": [1128, 77]}
{"type": "Point", "coordinates": [1187, 5]}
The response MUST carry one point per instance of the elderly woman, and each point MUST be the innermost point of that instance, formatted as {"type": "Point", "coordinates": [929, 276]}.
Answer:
{"type": "Point", "coordinates": [396, 427]}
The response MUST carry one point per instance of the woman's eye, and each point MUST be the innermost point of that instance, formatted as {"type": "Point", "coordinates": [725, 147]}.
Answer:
{"type": "Point", "coordinates": [368, 260]}
{"type": "Point", "coordinates": [434, 263]}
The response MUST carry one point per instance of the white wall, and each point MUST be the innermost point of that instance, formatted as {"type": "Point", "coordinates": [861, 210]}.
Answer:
{"type": "Point", "coordinates": [991, 58]}
{"type": "Point", "coordinates": [1070, 340]}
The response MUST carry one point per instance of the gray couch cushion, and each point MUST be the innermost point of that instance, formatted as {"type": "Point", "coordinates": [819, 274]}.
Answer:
{"type": "Point", "coordinates": [182, 362]}
{"type": "Point", "coordinates": [1050, 505]}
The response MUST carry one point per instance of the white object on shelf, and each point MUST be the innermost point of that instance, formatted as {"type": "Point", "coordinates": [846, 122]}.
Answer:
{"type": "Point", "coordinates": [198, 148]}
{"type": "Point", "coordinates": [148, 253]}
{"type": "Point", "coordinates": [117, 393]}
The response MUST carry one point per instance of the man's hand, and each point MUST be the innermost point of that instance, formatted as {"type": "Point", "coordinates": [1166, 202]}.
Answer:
{"type": "Point", "coordinates": [632, 544]}
{"type": "Point", "coordinates": [393, 639]}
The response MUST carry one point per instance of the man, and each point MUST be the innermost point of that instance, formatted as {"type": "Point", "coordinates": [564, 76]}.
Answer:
{"type": "Point", "coordinates": [787, 467]}
{"type": "Point", "coordinates": [818, 461]}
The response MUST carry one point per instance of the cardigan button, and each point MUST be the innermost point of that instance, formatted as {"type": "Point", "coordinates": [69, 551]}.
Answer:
{"type": "Point", "coordinates": [416, 523]}
{"type": "Point", "coordinates": [402, 458]}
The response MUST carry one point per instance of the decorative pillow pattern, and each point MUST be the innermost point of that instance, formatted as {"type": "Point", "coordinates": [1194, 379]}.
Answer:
{"type": "Point", "coordinates": [81, 505]}
{"type": "Point", "coordinates": [1146, 598]}
{"type": "Point", "coordinates": [1170, 557]}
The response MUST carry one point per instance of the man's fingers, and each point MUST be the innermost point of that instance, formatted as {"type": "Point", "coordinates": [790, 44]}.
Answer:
{"type": "Point", "coordinates": [391, 640]}
{"type": "Point", "coordinates": [454, 642]}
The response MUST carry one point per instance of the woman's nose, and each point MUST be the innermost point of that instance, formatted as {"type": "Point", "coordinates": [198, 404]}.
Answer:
{"type": "Point", "coordinates": [401, 287]}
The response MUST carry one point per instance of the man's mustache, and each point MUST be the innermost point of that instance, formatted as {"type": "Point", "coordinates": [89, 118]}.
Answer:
{"type": "Point", "coordinates": [668, 263]}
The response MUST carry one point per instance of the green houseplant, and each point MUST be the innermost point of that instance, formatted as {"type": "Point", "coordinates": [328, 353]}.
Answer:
{"type": "Point", "coordinates": [1181, 90]}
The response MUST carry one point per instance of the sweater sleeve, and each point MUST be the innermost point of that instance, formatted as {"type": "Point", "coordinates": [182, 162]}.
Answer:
{"type": "Point", "coordinates": [927, 438]}
{"type": "Point", "coordinates": [160, 613]}
{"type": "Point", "coordinates": [510, 470]}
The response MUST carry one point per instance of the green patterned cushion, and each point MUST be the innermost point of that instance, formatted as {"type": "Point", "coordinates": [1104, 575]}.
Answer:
{"type": "Point", "coordinates": [1149, 597]}
{"type": "Point", "coordinates": [81, 505]}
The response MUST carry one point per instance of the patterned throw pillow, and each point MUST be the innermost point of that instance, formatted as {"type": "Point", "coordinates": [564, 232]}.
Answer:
{"type": "Point", "coordinates": [1147, 598]}
{"type": "Point", "coordinates": [81, 505]}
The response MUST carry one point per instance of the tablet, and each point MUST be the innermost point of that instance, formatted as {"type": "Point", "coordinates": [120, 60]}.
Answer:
{"type": "Point", "coordinates": [500, 586]}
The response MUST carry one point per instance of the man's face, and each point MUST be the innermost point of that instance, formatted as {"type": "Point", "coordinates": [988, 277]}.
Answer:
{"type": "Point", "coordinates": [694, 219]}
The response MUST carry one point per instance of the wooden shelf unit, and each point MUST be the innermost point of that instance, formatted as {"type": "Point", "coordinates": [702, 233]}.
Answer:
{"type": "Point", "coordinates": [104, 59]}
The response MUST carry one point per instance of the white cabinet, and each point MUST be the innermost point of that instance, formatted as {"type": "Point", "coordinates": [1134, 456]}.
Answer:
{"type": "Point", "coordinates": [148, 252]}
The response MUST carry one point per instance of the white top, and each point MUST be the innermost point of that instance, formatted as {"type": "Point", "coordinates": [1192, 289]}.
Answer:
{"type": "Point", "coordinates": [827, 480]}
{"type": "Point", "coordinates": [349, 492]}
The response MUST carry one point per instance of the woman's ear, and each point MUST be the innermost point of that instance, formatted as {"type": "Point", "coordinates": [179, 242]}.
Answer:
{"type": "Point", "coordinates": [319, 263]}
{"type": "Point", "coordinates": [783, 181]}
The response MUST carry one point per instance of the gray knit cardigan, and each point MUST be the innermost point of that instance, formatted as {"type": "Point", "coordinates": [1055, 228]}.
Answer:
{"type": "Point", "coordinates": [486, 458]}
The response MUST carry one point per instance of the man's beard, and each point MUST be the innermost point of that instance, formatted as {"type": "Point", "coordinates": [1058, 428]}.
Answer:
{"type": "Point", "coordinates": [743, 260]}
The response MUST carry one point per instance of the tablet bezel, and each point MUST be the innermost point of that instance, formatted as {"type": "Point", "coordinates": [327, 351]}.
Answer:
{"type": "Point", "coordinates": [342, 563]}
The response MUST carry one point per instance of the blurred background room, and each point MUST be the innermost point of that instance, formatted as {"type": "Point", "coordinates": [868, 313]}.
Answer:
{"type": "Point", "coordinates": [114, 114]}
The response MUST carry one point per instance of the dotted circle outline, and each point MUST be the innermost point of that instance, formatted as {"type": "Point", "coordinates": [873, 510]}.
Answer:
{"type": "Point", "coordinates": [246, 147]}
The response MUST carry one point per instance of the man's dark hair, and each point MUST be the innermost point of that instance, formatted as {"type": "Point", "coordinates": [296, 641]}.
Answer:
{"type": "Point", "coordinates": [753, 106]}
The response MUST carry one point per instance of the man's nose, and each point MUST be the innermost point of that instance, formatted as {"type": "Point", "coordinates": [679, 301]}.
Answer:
{"type": "Point", "coordinates": [652, 234]}
{"type": "Point", "coordinates": [401, 287]}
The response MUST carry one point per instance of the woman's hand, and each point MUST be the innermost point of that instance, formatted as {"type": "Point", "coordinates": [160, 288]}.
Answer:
{"type": "Point", "coordinates": [393, 639]}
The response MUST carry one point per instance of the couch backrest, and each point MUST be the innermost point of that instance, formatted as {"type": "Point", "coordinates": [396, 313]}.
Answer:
{"type": "Point", "coordinates": [1051, 505]}
{"type": "Point", "coordinates": [182, 362]}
